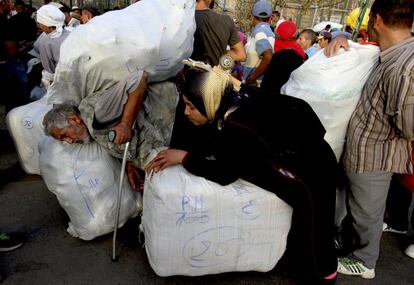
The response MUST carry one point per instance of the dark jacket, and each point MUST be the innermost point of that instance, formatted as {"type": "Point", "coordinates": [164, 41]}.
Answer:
{"type": "Point", "coordinates": [283, 63]}
{"type": "Point", "coordinates": [277, 130]}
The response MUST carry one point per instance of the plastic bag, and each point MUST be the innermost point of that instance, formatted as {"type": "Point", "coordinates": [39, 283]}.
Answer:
{"type": "Point", "coordinates": [26, 129]}
{"type": "Point", "coordinates": [85, 180]}
{"type": "Point", "coordinates": [332, 87]}
{"type": "Point", "coordinates": [97, 55]}
{"type": "Point", "coordinates": [194, 227]}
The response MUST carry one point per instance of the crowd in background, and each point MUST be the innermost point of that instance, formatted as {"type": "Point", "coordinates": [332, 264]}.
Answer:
{"type": "Point", "coordinates": [21, 51]}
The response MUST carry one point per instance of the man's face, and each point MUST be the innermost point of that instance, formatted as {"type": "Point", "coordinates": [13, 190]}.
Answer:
{"type": "Point", "coordinates": [274, 18]}
{"type": "Point", "coordinates": [44, 28]}
{"type": "Point", "coordinates": [77, 14]}
{"type": "Point", "coordinates": [304, 42]}
{"type": "Point", "coordinates": [75, 133]}
{"type": "Point", "coordinates": [254, 21]}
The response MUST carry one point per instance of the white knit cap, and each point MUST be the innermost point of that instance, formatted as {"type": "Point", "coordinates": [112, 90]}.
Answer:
{"type": "Point", "coordinates": [50, 16]}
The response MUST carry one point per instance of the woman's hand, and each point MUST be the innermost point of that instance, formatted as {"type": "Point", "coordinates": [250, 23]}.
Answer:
{"type": "Point", "coordinates": [165, 159]}
{"type": "Point", "coordinates": [123, 133]}
{"type": "Point", "coordinates": [135, 179]}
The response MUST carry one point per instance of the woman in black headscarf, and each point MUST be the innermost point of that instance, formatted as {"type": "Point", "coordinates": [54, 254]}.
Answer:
{"type": "Point", "coordinates": [274, 142]}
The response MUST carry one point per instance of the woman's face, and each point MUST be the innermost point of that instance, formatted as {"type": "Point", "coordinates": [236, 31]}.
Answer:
{"type": "Point", "coordinates": [193, 114]}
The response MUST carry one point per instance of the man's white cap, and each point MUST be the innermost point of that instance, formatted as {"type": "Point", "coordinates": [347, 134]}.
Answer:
{"type": "Point", "coordinates": [50, 16]}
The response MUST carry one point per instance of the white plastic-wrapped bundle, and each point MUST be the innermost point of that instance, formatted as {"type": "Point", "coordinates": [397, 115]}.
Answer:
{"type": "Point", "coordinates": [85, 180]}
{"type": "Point", "coordinates": [150, 35]}
{"type": "Point", "coordinates": [332, 86]}
{"type": "Point", "coordinates": [25, 126]}
{"type": "Point", "coordinates": [193, 226]}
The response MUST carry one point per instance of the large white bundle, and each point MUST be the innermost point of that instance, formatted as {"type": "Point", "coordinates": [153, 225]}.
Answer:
{"type": "Point", "coordinates": [195, 227]}
{"type": "Point", "coordinates": [332, 86]}
{"type": "Point", "coordinates": [25, 126]}
{"type": "Point", "coordinates": [150, 35]}
{"type": "Point", "coordinates": [85, 180]}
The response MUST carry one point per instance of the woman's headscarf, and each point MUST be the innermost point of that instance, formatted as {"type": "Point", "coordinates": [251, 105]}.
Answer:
{"type": "Point", "coordinates": [286, 40]}
{"type": "Point", "coordinates": [206, 90]}
{"type": "Point", "coordinates": [50, 16]}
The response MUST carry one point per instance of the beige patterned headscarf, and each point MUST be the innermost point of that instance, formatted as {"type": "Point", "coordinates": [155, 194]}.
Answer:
{"type": "Point", "coordinates": [212, 89]}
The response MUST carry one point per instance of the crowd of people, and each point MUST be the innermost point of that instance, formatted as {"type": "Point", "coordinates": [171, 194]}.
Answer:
{"type": "Point", "coordinates": [253, 131]}
{"type": "Point", "coordinates": [30, 42]}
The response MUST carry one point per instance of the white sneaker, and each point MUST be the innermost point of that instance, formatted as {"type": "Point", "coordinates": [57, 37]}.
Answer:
{"type": "Point", "coordinates": [387, 228]}
{"type": "Point", "coordinates": [352, 267]}
{"type": "Point", "coordinates": [410, 251]}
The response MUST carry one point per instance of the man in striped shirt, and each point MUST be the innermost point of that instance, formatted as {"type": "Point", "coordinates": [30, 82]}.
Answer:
{"type": "Point", "coordinates": [380, 130]}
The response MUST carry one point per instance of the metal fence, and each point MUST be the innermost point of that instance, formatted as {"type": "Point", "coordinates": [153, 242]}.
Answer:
{"type": "Point", "coordinates": [314, 14]}
{"type": "Point", "coordinates": [306, 13]}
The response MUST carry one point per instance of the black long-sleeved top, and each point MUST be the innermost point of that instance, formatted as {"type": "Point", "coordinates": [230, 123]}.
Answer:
{"type": "Point", "coordinates": [269, 129]}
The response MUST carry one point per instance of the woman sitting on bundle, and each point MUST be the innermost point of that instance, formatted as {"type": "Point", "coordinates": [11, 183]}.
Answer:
{"type": "Point", "coordinates": [273, 141]}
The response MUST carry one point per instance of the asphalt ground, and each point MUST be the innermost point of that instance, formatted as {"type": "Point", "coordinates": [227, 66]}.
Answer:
{"type": "Point", "coordinates": [51, 256]}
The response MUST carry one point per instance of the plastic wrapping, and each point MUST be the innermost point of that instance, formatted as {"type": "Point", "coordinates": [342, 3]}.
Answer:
{"type": "Point", "coordinates": [194, 227]}
{"type": "Point", "coordinates": [108, 48]}
{"type": "Point", "coordinates": [26, 129]}
{"type": "Point", "coordinates": [85, 180]}
{"type": "Point", "coordinates": [332, 87]}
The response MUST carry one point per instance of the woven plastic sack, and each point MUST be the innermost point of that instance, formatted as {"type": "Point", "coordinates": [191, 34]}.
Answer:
{"type": "Point", "coordinates": [332, 87]}
{"type": "Point", "coordinates": [85, 180]}
{"type": "Point", "coordinates": [150, 35]}
{"type": "Point", "coordinates": [194, 227]}
{"type": "Point", "coordinates": [25, 126]}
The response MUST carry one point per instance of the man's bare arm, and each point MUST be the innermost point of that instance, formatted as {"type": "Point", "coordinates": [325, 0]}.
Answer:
{"type": "Point", "coordinates": [264, 64]}
{"type": "Point", "coordinates": [124, 128]}
{"type": "Point", "coordinates": [237, 52]}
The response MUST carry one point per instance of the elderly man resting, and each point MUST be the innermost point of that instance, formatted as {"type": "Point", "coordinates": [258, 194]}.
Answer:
{"type": "Point", "coordinates": [117, 108]}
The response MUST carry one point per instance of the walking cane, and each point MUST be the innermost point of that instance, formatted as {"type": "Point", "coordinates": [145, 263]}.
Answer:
{"type": "Point", "coordinates": [111, 138]}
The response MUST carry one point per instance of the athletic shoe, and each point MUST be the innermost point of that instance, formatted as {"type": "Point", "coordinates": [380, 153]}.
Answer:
{"type": "Point", "coordinates": [11, 241]}
{"type": "Point", "coordinates": [410, 251]}
{"type": "Point", "coordinates": [352, 267]}
{"type": "Point", "coordinates": [387, 228]}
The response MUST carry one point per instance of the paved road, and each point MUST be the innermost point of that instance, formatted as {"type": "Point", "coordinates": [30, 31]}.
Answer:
{"type": "Point", "coordinates": [52, 256]}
